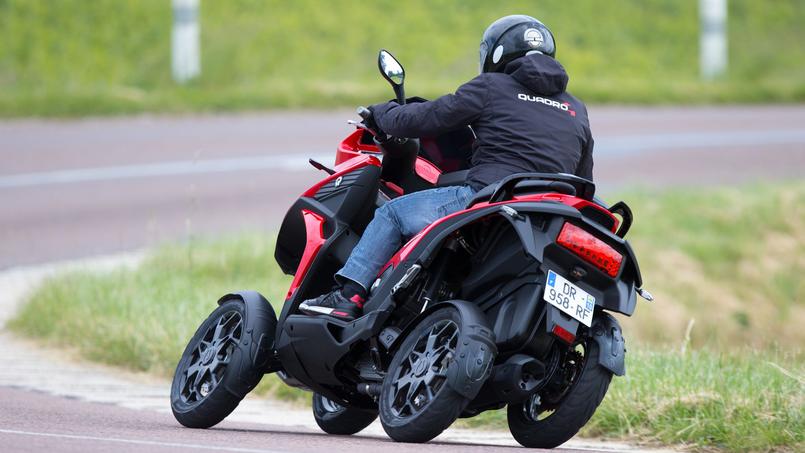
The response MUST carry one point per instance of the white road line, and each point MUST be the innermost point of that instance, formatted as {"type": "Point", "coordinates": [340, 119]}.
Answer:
{"type": "Point", "coordinates": [606, 146]}
{"type": "Point", "coordinates": [137, 441]}
{"type": "Point", "coordinates": [287, 162]}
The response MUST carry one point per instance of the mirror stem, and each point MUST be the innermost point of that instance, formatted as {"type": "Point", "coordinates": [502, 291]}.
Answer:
{"type": "Point", "coordinates": [400, 92]}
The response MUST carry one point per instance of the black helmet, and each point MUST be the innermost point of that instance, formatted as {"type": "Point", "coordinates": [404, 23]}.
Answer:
{"type": "Point", "coordinates": [512, 37]}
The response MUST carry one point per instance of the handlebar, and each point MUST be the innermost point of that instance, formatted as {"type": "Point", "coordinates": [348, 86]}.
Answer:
{"type": "Point", "coordinates": [396, 147]}
{"type": "Point", "coordinates": [364, 112]}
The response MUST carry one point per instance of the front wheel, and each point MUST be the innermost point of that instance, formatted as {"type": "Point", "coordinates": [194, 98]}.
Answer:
{"type": "Point", "coordinates": [418, 400]}
{"type": "Point", "coordinates": [334, 418]}
{"type": "Point", "coordinates": [215, 371]}
{"type": "Point", "coordinates": [552, 416]}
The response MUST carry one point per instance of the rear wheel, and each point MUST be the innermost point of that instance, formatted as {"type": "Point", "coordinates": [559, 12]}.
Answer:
{"type": "Point", "coordinates": [417, 401]}
{"type": "Point", "coordinates": [215, 371]}
{"type": "Point", "coordinates": [555, 414]}
{"type": "Point", "coordinates": [334, 418]}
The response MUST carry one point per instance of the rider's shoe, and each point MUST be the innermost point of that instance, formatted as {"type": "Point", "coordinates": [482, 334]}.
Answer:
{"type": "Point", "coordinates": [335, 305]}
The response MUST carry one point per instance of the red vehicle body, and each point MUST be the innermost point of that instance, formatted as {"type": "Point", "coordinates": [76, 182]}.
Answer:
{"type": "Point", "coordinates": [506, 303]}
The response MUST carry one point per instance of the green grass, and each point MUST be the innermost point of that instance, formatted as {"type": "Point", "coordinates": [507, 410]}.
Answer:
{"type": "Point", "coordinates": [139, 319]}
{"type": "Point", "coordinates": [728, 258]}
{"type": "Point", "coordinates": [72, 57]}
{"type": "Point", "coordinates": [739, 401]}
{"type": "Point", "coordinates": [729, 261]}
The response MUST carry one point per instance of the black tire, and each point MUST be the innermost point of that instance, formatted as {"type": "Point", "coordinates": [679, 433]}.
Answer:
{"type": "Point", "coordinates": [411, 409]}
{"type": "Point", "coordinates": [569, 414]}
{"type": "Point", "coordinates": [333, 418]}
{"type": "Point", "coordinates": [207, 387]}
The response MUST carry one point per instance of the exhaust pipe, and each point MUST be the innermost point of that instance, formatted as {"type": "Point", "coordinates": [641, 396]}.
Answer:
{"type": "Point", "coordinates": [517, 378]}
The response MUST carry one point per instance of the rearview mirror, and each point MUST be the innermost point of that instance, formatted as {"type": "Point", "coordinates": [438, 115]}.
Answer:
{"type": "Point", "coordinates": [392, 70]}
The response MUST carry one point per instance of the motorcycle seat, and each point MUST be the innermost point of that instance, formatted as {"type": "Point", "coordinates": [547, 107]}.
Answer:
{"type": "Point", "coordinates": [520, 184]}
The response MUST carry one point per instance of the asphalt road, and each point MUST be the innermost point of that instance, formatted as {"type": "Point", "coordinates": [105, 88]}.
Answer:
{"type": "Point", "coordinates": [34, 422]}
{"type": "Point", "coordinates": [76, 188]}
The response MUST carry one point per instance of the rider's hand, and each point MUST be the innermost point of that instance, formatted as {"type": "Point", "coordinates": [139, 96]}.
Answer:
{"type": "Point", "coordinates": [378, 110]}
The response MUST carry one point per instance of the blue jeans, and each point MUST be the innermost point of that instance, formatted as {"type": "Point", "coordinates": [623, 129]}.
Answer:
{"type": "Point", "coordinates": [400, 218]}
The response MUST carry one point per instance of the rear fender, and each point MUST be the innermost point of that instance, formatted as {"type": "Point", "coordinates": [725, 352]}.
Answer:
{"type": "Point", "coordinates": [607, 332]}
{"type": "Point", "coordinates": [261, 327]}
{"type": "Point", "coordinates": [476, 347]}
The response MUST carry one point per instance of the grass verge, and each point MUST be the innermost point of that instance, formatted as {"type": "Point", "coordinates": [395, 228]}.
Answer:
{"type": "Point", "coordinates": [739, 401]}
{"type": "Point", "coordinates": [725, 263]}
{"type": "Point", "coordinates": [73, 57]}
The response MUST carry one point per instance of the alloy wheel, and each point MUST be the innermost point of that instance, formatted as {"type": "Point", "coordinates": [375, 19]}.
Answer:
{"type": "Point", "coordinates": [567, 371]}
{"type": "Point", "coordinates": [424, 371]}
{"type": "Point", "coordinates": [211, 357]}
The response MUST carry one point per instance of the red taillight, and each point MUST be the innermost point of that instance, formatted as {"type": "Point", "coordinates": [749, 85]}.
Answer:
{"type": "Point", "coordinates": [562, 333]}
{"type": "Point", "coordinates": [590, 249]}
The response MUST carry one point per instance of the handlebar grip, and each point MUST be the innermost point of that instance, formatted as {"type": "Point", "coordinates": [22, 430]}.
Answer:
{"type": "Point", "coordinates": [364, 112]}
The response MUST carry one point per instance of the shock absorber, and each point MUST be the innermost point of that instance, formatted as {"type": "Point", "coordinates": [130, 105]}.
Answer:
{"type": "Point", "coordinates": [439, 268]}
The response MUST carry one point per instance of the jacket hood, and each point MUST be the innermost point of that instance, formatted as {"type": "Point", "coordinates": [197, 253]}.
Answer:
{"type": "Point", "coordinates": [539, 73]}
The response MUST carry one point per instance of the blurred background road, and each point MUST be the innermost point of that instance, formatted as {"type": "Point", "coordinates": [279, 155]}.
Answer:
{"type": "Point", "coordinates": [73, 188]}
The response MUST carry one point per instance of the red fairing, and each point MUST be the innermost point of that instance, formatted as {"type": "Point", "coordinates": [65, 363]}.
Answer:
{"type": "Point", "coordinates": [406, 249]}
{"type": "Point", "coordinates": [427, 170]}
{"type": "Point", "coordinates": [569, 200]}
{"type": "Point", "coordinates": [394, 187]}
{"type": "Point", "coordinates": [352, 147]}
{"type": "Point", "coordinates": [356, 162]}
{"type": "Point", "coordinates": [314, 229]}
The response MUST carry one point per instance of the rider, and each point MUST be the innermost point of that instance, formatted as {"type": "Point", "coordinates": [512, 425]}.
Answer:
{"type": "Point", "coordinates": [524, 121]}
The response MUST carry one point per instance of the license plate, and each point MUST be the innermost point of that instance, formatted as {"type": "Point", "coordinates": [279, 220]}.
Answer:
{"type": "Point", "coordinates": [569, 298]}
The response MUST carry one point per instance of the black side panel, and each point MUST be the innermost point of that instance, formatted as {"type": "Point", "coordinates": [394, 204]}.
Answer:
{"type": "Point", "coordinates": [313, 348]}
{"type": "Point", "coordinates": [504, 282]}
{"type": "Point", "coordinates": [351, 202]}
{"type": "Point", "coordinates": [515, 316]}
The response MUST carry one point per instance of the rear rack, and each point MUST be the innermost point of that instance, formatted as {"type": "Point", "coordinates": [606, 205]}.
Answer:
{"type": "Point", "coordinates": [518, 183]}
{"type": "Point", "coordinates": [567, 184]}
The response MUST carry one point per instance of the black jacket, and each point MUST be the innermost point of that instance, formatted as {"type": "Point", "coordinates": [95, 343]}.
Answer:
{"type": "Point", "coordinates": [524, 120]}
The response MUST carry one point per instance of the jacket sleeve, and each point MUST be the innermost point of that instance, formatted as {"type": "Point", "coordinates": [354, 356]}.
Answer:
{"type": "Point", "coordinates": [427, 119]}
{"type": "Point", "coordinates": [585, 167]}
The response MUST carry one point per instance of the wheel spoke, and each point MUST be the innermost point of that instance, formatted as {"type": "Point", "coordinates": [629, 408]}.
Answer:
{"type": "Point", "coordinates": [199, 377]}
{"type": "Point", "coordinates": [219, 328]}
{"type": "Point", "coordinates": [433, 374]}
{"type": "Point", "coordinates": [194, 368]}
{"type": "Point", "coordinates": [431, 345]}
{"type": "Point", "coordinates": [440, 354]}
{"type": "Point", "coordinates": [429, 393]}
{"type": "Point", "coordinates": [412, 358]}
{"type": "Point", "coordinates": [202, 346]}
{"type": "Point", "coordinates": [234, 329]}
{"type": "Point", "coordinates": [439, 328]}
{"type": "Point", "coordinates": [407, 404]}
{"type": "Point", "coordinates": [402, 380]}
{"type": "Point", "coordinates": [222, 361]}
{"type": "Point", "coordinates": [413, 389]}
{"type": "Point", "coordinates": [221, 347]}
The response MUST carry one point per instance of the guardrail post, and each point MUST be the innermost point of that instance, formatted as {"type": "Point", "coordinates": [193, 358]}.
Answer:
{"type": "Point", "coordinates": [712, 38]}
{"type": "Point", "coordinates": [185, 47]}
